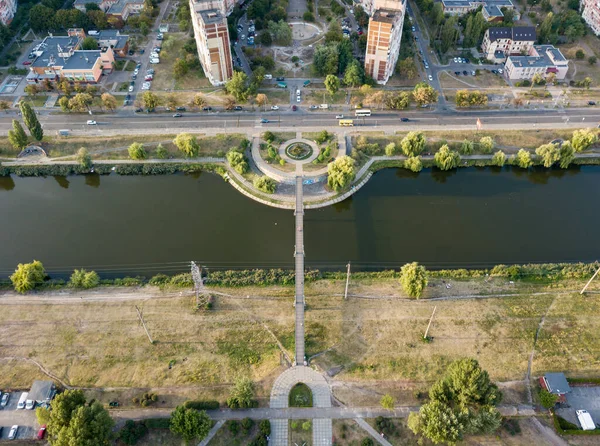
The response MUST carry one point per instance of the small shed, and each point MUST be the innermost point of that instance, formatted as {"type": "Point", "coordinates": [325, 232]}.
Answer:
{"type": "Point", "coordinates": [42, 392]}
{"type": "Point", "coordinates": [556, 383]}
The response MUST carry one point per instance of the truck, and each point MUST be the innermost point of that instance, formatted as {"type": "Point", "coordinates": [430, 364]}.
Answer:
{"type": "Point", "coordinates": [585, 419]}
{"type": "Point", "coordinates": [22, 400]}
{"type": "Point", "coordinates": [324, 106]}
{"type": "Point", "coordinates": [281, 85]}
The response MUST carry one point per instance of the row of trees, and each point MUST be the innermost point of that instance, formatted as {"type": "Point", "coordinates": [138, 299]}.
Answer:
{"type": "Point", "coordinates": [469, 98]}
{"type": "Point", "coordinates": [17, 136]}
{"type": "Point", "coordinates": [28, 276]}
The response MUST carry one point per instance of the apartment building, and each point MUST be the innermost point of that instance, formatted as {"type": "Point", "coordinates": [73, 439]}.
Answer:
{"type": "Point", "coordinates": [112, 38]}
{"type": "Point", "coordinates": [118, 8]}
{"type": "Point", "coordinates": [542, 59]}
{"type": "Point", "coordinates": [212, 39]}
{"type": "Point", "coordinates": [383, 39]}
{"type": "Point", "coordinates": [491, 9]}
{"type": "Point", "coordinates": [8, 8]}
{"type": "Point", "coordinates": [60, 57]}
{"type": "Point", "coordinates": [590, 12]}
{"type": "Point", "coordinates": [499, 43]}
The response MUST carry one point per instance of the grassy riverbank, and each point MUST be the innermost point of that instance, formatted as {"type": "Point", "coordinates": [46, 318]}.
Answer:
{"type": "Point", "coordinates": [371, 341]}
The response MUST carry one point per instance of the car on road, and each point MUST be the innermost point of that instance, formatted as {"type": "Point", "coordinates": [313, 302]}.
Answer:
{"type": "Point", "coordinates": [280, 79]}
{"type": "Point", "coordinates": [4, 400]}
{"type": "Point", "coordinates": [313, 107]}
{"type": "Point", "coordinates": [465, 72]}
{"type": "Point", "coordinates": [139, 110]}
{"type": "Point", "coordinates": [136, 71]}
{"type": "Point", "coordinates": [91, 122]}
{"type": "Point", "coordinates": [339, 116]}
{"type": "Point", "coordinates": [430, 77]}
{"type": "Point", "coordinates": [473, 73]}
{"type": "Point", "coordinates": [404, 119]}
{"type": "Point", "coordinates": [243, 36]}
{"type": "Point", "coordinates": [238, 108]}
{"type": "Point", "coordinates": [274, 107]}
{"type": "Point", "coordinates": [41, 432]}
{"type": "Point", "coordinates": [298, 99]}
{"type": "Point", "coordinates": [207, 108]}
{"type": "Point", "coordinates": [414, 29]}
{"type": "Point", "coordinates": [130, 88]}
{"type": "Point", "coordinates": [352, 11]}
{"type": "Point", "coordinates": [294, 108]}
{"type": "Point", "coordinates": [494, 71]}
{"type": "Point", "coordinates": [180, 108]}
{"type": "Point", "coordinates": [499, 70]}
{"type": "Point", "coordinates": [264, 121]}
{"type": "Point", "coordinates": [426, 65]}
{"type": "Point", "coordinates": [177, 115]}
{"type": "Point", "coordinates": [27, 62]}
{"type": "Point", "coordinates": [457, 73]}
{"type": "Point", "coordinates": [13, 432]}
{"type": "Point", "coordinates": [591, 102]}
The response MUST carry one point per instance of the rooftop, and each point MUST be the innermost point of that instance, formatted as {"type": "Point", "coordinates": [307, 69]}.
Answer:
{"type": "Point", "coordinates": [475, 3]}
{"type": "Point", "coordinates": [82, 60]}
{"type": "Point", "coordinates": [211, 16]}
{"type": "Point", "coordinates": [55, 49]}
{"type": "Point", "coordinates": [515, 33]}
{"type": "Point", "coordinates": [41, 390]}
{"type": "Point", "coordinates": [557, 383]}
{"type": "Point", "coordinates": [117, 40]}
{"type": "Point", "coordinates": [385, 16]}
{"type": "Point", "coordinates": [545, 56]}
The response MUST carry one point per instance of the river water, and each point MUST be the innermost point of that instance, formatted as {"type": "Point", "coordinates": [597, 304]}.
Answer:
{"type": "Point", "coordinates": [143, 225]}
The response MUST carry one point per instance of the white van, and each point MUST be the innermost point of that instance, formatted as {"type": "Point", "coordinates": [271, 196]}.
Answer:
{"type": "Point", "coordinates": [268, 76]}
{"type": "Point", "coordinates": [22, 400]}
{"type": "Point", "coordinates": [585, 419]}
{"type": "Point", "coordinates": [324, 106]}
{"type": "Point", "coordinates": [154, 61]}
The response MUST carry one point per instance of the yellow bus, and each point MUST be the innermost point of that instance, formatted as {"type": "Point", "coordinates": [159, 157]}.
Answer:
{"type": "Point", "coordinates": [346, 123]}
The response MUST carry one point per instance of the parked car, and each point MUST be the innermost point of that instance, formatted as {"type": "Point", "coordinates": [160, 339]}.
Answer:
{"type": "Point", "coordinates": [180, 108]}
{"type": "Point", "coordinates": [339, 116]}
{"type": "Point", "coordinates": [500, 71]}
{"type": "Point", "coordinates": [465, 72]}
{"type": "Point", "coordinates": [313, 107]}
{"type": "Point", "coordinates": [130, 88]}
{"type": "Point", "coordinates": [430, 77]}
{"type": "Point", "coordinates": [4, 400]}
{"type": "Point", "coordinates": [592, 103]}
{"type": "Point", "coordinates": [457, 73]}
{"type": "Point", "coordinates": [27, 62]}
{"type": "Point", "coordinates": [456, 60]}
{"type": "Point", "coordinates": [238, 108]}
{"type": "Point", "coordinates": [473, 73]}
{"type": "Point", "coordinates": [404, 119]}
{"type": "Point", "coordinates": [177, 115]}
{"type": "Point", "coordinates": [274, 107]}
{"type": "Point", "coordinates": [41, 432]}
{"type": "Point", "coordinates": [414, 29]}
{"type": "Point", "coordinates": [13, 432]}
{"type": "Point", "coordinates": [280, 79]}
{"type": "Point", "coordinates": [125, 103]}
{"type": "Point", "coordinates": [134, 77]}
{"type": "Point", "coordinates": [131, 84]}
{"type": "Point", "coordinates": [150, 71]}
{"type": "Point", "coordinates": [298, 99]}
{"type": "Point", "coordinates": [91, 122]}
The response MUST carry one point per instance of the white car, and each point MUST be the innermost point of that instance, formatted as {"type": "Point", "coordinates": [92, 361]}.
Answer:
{"type": "Point", "coordinates": [13, 432]}
{"type": "Point", "coordinates": [456, 60]}
{"type": "Point", "coordinates": [243, 36]}
{"type": "Point", "coordinates": [130, 88]}
{"type": "Point", "coordinates": [136, 71]}
{"type": "Point", "coordinates": [500, 70]}
{"type": "Point", "coordinates": [473, 73]}
{"type": "Point", "coordinates": [352, 11]}
{"type": "Point", "coordinates": [5, 397]}
{"type": "Point", "coordinates": [154, 61]}
{"type": "Point", "coordinates": [90, 122]}
{"type": "Point", "coordinates": [426, 66]}
{"type": "Point", "coordinates": [430, 78]}
{"type": "Point", "coordinates": [298, 99]}
{"type": "Point", "coordinates": [274, 107]}
{"type": "Point", "coordinates": [339, 116]}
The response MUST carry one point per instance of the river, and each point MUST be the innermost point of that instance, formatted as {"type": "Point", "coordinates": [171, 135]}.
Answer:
{"type": "Point", "coordinates": [144, 225]}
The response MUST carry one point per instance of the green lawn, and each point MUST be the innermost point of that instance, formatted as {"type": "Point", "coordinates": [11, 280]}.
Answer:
{"type": "Point", "coordinates": [301, 396]}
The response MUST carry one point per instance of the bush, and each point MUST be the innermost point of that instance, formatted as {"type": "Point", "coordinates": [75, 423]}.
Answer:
{"type": "Point", "coordinates": [579, 54]}
{"type": "Point", "coordinates": [201, 404]}
{"type": "Point", "coordinates": [161, 152]}
{"type": "Point", "coordinates": [547, 399]}
{"type": "Point", "coordinates": [367, 442]}
{"type": "Point", "coordinates": [306, 425]}
{"type": "Point", "coordinates": [158, 423]}
{"type": "Point", "coordinates": [132, 432]}
{"type": "Point", "coordinates": [269, 136]}
{"type": "Point", "coordinates": [414, 164]}
{"type": "Point", "coordinates": [238, 162]}
{"type": "Point", "coordinates": [413, 278]}
{"type": "Point", "coordinates": [257, 277]}
{"type": "Point", "coordinates": [446, 159]}
{"type": "Point", "coordinates": [466, 147]}
{"type": "Point", "coordinates": [234, 427]}
{"type": "Point", "coordinates": [390, 149]}
{"type": "Point", "coordinates": [322, 137]}
{"type": "Point", "coordinates": [84, 279]}
{"type": "Point", "coordinates": [499, 158]}
{"type": "Point", "coordinates": [265, 427]}
{"type": "Point", "coordinates": [146, 399]}
{"type": "Point", "coordinates": [486, 144]}
{"type": "Point", "coordinates": [247, 424]}
{"type": "Point", "coordinates": [265, 184]}
{"type": "Point", "coordinates": [137, 151]}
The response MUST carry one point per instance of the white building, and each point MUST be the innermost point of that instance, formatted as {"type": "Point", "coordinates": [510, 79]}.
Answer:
{"type": "Point", "coordinates": [212, 39]}
{"type": "Point", "coordinates": [499, 43]}
{"type": "Point", "coordinates": [542, 59]}
{"type": "Point", "coordinates": [491, 9]}
{"type": "Point", "coordinates": [384, 38]}
{"type": "Point", "coordinates": [8, 8]}
{"type": "Point", "coordinates": [590, 12]}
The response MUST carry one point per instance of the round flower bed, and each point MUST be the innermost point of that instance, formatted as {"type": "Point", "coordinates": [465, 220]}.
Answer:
{"type": "Point", "coordinates": [299, 151]}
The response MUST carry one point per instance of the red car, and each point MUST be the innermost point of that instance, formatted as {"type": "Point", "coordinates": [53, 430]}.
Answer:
{"type": "Point", "coordinates": [27, 62]}
{"type": "Point", "coordinates": [41, 432]}
{"type": "Point", "coordinates": [294, 108]}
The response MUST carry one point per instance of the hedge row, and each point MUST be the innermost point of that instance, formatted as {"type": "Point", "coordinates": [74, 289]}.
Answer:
{"type": "Point", "coordinates": [201, 405]}
{"type": "Point", "coordinates": [258, 277]}
{"type": "Point", "coordinates": [103, 169]}
{"type": "Point", "coordinates": [157, 423]}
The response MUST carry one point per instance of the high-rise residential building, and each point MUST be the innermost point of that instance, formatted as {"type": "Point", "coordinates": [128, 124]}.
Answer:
{"type": "Point", "coordinates": [212, 39]}
{"type": "Point", "coordinates": [8, 8]}
{"type": "Point", "coordinates": [590, 11]}
{"type": "Point", "coordinates": [383, 39]}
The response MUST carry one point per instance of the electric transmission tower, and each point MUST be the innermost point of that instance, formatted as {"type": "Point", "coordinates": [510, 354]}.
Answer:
{"type": "Point", "coordinates": [202, 296]}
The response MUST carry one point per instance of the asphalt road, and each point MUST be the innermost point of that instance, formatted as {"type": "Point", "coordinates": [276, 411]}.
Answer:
{"type": "Point", "coordinates": [509, 119]}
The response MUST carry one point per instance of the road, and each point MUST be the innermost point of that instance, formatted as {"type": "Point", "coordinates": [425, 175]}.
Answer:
{"type": "Point", "coordinates": [213, 121]}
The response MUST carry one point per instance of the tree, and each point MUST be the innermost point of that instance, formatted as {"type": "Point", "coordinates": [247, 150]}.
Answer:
{"type": "Point", "coordinates": [332, 84]}
{"type": "Point", "coordinates": [537, 79]}
{"type": "Point", "coordinates": [548, 399]}
{"type": "Point", "coordinates": [387, 401]}
{"type": "Point", "coordinates": [398, 100]}
{"type": "Point", "coordinates": [326, 59]}
{"type": "Point", "coordinates": [150, 100]}
{"type": "Point", "coordinates": [413, 278]}
{"type": "Point", "coordinates": [65, 86]}
{"type": "Point", "coordinates": [340, 173]}
{"type": "Point", "coordinates": [592, 60]}
{"type": "Point", "coordinates": [238, 161]}
{"type": "Point", "coordinates": [446, 159]}
{"type": "Point", "coordinates": [31, 120]}
{"type": "Point", "coordinates": [587, 82]}
{"type": "Point", "coordinates": [466, 148]}
{"type": "Point", "coordinates": [281, 32]}
{"type": "Point", "coordinates": [89, 43]}
{"type": "Point", "coordinates": [180, 68]}
{"type": "Point", "coordinates": [32, 89]}
{"type": "Point", "coordinates": [238, 86]}
{"type": "Point", "coordinates": [265, 184]}
{"type": "Point", "coordinates": [468, 98]}
{"type": "Point", "coordinates": [261, 100]}
{"type": "Point", "coordinates": [64, 104]}
{"type": "Point", "coordinates": [17, 136]}
{"type": "Point", "coordinates": [413, 143]}
{"type": "Point", "coordinates": [567, 154]}
{"type": "Point", "coordinates": [265, 38]}
{"type": "Point", "coordinates": [424, 93]}
{"type": "Point", "coordinates": [188, 144]}
{"type": "Point", "coordinates": [81, 102]}
{"type": "Point", "coordinates": [242, 394]}
{"type": "Point", "coordinates": [83, 158]}
{"type": "Point", "coordinates": [132, 432]}
{"type": "Point", "coordinates": [27, 276]}
{"type": "Point", "coordinates": [108, 101]}
{"type": "Point", "coordinates": [334, 33]}
{"type": "Point", "coordinates": [390, 149]}
{"type": "Point", "coordinates": [354, 74]}
{"type": "Point", "coordinates": [499, 158]}
{"type": "Point", "coordinates": [579, 54]}
{"type": "Point", "coordinates": [523, 159]}
{"type": "Point", "coordinates": [549, 154]}
{"type": "Point", "coordinates": [486, 144]}
{"type": "Point", "coordinates": [437, 422]}
{"type": "Point", "coordinates": [172, 101]}
{"type": "Point", "coordinates": [199, 100]}
{"type": "Point", "coordinates": [190, 424]}
{"type": "Point", "coordinates": [84, 279]}
{"type": "Point", "coordinates": [550, 78]}
{"type": "Point", "coordinates": [414, 164]}
{"type": "Point", "coordinates": [41, 17]}
{"type": "Point", "coordinates": [583, 139]}
{"type": "Point", "coordinates": [137, 151]}
{"type": "Point", "coordinates": [407, 68]}
{"type": "Point", "coordinates": [5, 106]}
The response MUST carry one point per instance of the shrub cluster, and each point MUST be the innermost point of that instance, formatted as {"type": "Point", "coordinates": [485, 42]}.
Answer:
{"type": "Point", "coordinates": [145, 400]}
{"type": "Point", "coordinates": [260, 277]}
{"type": "Point", "coordinates": [201, 404]}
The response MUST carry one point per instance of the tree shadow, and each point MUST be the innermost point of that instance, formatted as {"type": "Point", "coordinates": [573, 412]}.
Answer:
{"type": "Point", "coordinates": [62, 181]}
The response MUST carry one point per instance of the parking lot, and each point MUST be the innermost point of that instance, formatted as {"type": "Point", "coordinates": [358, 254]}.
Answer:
{"type": "Point", "coordinates": [587, 398]}
{"type": "Point", "coordinates": [25, 419]}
